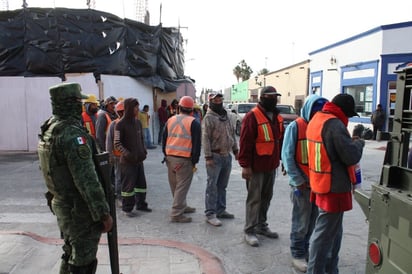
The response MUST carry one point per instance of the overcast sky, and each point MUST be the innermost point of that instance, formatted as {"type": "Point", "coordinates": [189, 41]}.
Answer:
{"type": "Point", "coordinates": [265, 33]}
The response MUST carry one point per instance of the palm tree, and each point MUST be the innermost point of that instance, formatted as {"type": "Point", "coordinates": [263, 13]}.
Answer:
{"type": "Point", "coordinates": [263, 71]}
{"type": "Point", "coordinates": [242, 70]}
{"type": "Point", "coordinates": [237, 71]}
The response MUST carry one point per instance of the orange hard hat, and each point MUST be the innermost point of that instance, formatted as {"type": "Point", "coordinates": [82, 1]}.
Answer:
{"type": "Point", "coordinates": [119, 106]}
{"type": "Point", "coordinates": [186, 102]}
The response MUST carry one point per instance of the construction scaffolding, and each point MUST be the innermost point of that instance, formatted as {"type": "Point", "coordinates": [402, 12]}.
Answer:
{"type": "Point", "coordinates": [141, 11]}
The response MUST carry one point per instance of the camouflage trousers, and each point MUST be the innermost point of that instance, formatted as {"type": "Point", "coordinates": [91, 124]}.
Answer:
{"type": "Point", "coordinates": [81, 235]}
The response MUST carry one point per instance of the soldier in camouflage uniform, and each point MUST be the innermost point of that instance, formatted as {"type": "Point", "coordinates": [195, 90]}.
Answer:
{"type": "Point", "coordinates": [78, 200]}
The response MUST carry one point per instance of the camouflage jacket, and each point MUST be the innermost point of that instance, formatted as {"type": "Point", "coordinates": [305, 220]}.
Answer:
{"type": "Point", "coordinates": [66, 158]}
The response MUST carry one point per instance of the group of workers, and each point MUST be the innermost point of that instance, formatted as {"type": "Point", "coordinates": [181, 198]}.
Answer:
{"type": "Point", "coordinates": [316, 150]}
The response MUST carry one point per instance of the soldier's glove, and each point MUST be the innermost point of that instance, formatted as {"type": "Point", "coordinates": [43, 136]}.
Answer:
{"type": "Point", "coordinates": [49, 196]}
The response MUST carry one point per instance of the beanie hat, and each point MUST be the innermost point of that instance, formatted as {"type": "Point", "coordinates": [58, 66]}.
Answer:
{"type": "Point", "coordinates": [346, 103]}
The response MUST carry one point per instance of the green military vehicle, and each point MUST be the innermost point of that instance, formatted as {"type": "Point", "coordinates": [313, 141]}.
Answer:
{"type": "Point", "coordinates": [388, 205]}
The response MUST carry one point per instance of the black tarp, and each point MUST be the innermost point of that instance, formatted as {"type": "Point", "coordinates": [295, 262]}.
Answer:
{"type": "Point", "coordinates": [55, 41]}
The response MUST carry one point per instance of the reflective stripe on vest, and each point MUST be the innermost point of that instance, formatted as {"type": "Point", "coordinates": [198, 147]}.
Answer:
{"type": "Point", "coordinates": [88, 124]}
{"type": "Point", "coordinates": [265, 142]}
{"type": "Point", "coordinates": [320, 169]}
{"type": "Point", "coordinates": [179, 138]}
{"type": "Point", "coordinates": [301, 155]}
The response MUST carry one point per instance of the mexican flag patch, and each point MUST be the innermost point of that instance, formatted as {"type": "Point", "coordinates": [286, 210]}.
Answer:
{"type": "Point", "coordinates": [81, 140]}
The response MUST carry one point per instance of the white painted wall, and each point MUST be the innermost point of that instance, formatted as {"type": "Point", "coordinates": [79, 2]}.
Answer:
{"type": "Point", "coordinates": [26, 103]}
{"type": "Point", "coordinates": [366, 49]}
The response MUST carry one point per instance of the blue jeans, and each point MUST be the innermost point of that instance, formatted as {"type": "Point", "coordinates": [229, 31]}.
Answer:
{"type": "Point", "coordinates": [325, 243]}
{"type": "Point", "coordinates": [217, 180]}
{"type": "Point", "coordinates": [304, 215]}
{"type": "Point", "coordinates": [147, 137]}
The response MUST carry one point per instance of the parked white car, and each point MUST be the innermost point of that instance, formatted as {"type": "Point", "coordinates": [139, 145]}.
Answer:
{"type": "Point", "coordinates": [240, 109]}
{"type": "Point", "coordinates": [288, 113]}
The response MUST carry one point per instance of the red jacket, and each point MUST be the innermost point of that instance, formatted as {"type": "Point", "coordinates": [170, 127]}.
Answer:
{"type": "Point", "coordinates": [248, 135]}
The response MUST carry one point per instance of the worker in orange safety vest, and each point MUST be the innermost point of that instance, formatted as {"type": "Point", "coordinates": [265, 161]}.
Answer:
{"type": "Point", "coordinates": [89, 114]}
{"type": "Point", "coordinates": [181, 147]}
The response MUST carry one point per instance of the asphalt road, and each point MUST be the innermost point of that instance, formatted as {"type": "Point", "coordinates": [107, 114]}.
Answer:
{"type": "Point", "coordinates": [23, 208]}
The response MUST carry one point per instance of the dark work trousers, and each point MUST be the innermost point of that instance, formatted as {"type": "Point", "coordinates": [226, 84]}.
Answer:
{"type": "Point", "coordinates": [160, 135]}
{"type": "Point", "coordinates": [259, 195]}
{"type": "Point", "coordinates": [133, 187]}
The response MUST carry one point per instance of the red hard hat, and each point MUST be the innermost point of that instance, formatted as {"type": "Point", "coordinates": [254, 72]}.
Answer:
{"type": "Point", "coordinates": [186, 102]}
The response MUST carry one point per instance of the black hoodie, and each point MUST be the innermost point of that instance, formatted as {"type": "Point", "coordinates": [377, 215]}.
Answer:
{"type": "Point", "coordinates": [128, 135]}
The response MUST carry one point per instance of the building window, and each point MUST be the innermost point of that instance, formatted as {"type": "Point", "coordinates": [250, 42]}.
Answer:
{"type": "Point", "coordinates": [392, 97]}
{"type": "Point", "coordinates": [316, 90]}
{"type": "Point", "coordinates": [363, 95]}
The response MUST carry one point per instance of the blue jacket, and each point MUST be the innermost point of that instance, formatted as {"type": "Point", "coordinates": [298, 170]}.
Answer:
{"type": "Point", "coordinates": [296, 175]}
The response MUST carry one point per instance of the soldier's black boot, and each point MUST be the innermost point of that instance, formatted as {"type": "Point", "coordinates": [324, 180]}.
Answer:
{"type": "Point", "coordinates": [86, 269]}
{"type": "Point", "coordinates": [64, 266]}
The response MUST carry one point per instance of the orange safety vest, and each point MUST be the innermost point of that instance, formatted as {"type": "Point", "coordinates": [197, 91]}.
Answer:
{"type": "Point", "coordinates": [109, 120]}
{"type": "Point", "coordinates": [320, 169]}
{"type": "Point", "coordinates": [281, 126]}
{"type": "Point", "coordinates": [301, 155]}
{"type": "Point", "coordinates": [179, 138]}
{"type": "Point", "coordinates": [265, 141]}
{"type": "Point", "coordinates": [88, 124]}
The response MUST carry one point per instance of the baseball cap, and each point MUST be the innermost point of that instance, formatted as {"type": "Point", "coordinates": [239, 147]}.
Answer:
{"type": "Point", "coordinates": [346, 103]}
{"type": "Point", "coordinates": [269, 90]}
{"type": "Point", "coordinates": [214, 95]}
{"type": "Point", "coordinates": [109, 100]}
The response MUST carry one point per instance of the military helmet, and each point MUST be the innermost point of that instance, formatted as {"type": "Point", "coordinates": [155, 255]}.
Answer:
{"type": "Point", "coordinates": [65, 91]}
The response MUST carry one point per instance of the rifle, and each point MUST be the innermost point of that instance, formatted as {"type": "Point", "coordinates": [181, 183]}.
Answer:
{"type": "Point", "coordinates": [103, 169]}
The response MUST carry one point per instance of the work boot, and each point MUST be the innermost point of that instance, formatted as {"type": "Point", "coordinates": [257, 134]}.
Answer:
{"type": "Point", "coordinates": [251, 239]}
{"type": "Point", "coordinates": [144, 208]}
{"type": "Point", "coordinates": [300, 264]}
{"type": "Point", "coordinates": [86, 269]}
{"type": "Point", "coordinates": [225, 215]}
{"type": "Point", "coordinates": [189, 209]}
{"type": "Point", "coordinates": [265, 231]}
{"type": "Point", "coordinates": [129, 214]}
{"type": "Point", "coordinates": [211, 219]}
{"type": "Point", "coordinates": [180, 219]}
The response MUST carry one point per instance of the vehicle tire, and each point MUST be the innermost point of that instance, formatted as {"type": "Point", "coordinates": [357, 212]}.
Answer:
{"type": "Point", "coordinates": [238, 125]}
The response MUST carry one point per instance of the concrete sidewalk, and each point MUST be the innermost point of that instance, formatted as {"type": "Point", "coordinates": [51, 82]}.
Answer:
{"type": "Point", "coordinates": [150, 243]}
{"type": "Point", "coordinates": [23, 252]}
